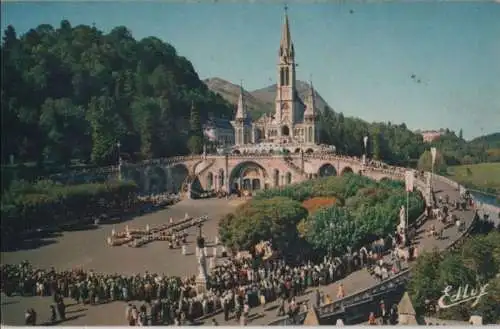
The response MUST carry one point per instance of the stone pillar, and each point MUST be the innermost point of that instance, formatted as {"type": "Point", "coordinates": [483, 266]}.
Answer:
{"type": "Point", "coordinates": [201, 279]}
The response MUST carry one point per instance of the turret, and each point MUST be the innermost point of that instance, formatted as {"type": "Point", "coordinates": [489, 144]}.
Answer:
{"type": "Point", "coordinates": [241, 111]}
{"type": "Point", "coordinates": [310, 111]}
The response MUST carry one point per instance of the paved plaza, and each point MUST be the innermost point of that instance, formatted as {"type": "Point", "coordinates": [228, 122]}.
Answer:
{"type": "Point", "coordinates": [89, 250]}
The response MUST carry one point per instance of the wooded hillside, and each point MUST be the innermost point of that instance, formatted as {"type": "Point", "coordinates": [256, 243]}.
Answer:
{"type": "Point", "coordinates": [74, 92]}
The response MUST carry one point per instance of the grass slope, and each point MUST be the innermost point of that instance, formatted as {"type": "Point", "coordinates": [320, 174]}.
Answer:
{"type": "Point", "coordinates": [482, 176]}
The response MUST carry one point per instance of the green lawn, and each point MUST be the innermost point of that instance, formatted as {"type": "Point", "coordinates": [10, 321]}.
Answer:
{"type": "Point", "coordinates": [482, 176]}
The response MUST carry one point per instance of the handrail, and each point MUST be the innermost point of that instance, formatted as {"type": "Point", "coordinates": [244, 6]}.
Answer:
{"type": "Point", "coordinates": [342, 304]}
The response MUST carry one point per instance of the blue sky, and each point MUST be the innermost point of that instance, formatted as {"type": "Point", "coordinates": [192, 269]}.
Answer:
{"type": "Point", "coordinates": [361, 62]}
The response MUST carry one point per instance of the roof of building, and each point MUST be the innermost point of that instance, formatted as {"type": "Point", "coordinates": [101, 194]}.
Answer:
{"type": "Point", "coordinates": [405, 305]}
{"type": "Point", "coordinates": [218, 123]}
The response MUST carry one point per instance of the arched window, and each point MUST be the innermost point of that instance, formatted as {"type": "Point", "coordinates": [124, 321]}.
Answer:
{"type": "Point", "coordinates": [210, 181]}
{"type": "Point", "coordinates": [276, 177]}
{"type": "Point", "coordinates": [282, 77]}
{"type": "Point", "coordinates": [288, 178]}
{"type": "Point", "coordinates": [310, 137]}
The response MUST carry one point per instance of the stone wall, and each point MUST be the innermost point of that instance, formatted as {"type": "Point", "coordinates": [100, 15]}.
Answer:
{"type": "Point", "coordinates": [219, 172]}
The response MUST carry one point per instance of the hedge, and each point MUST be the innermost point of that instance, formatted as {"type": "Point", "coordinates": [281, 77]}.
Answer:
{"type": "Point", "coordinates": [28, 206]}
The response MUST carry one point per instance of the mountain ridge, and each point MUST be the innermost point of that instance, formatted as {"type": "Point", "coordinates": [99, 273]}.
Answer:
{"type": "Point", "coordinates": [261, 100]}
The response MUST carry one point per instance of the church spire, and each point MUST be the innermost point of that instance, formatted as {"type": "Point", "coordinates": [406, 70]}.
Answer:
{"type": "Point", "coordinates": [241, 112]}
{"type": "Point", "coordinates": [286, 45]}
{"type": "Point", "coordinates": [311, 103]}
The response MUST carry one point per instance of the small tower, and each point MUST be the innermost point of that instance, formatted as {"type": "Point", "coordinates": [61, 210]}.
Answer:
{"type": "Point", "coordinates": [241, 124]}
{"type": "Point", "coordinates": [286, 100]}
{"type": "Point", "coordinates": [310, 117]}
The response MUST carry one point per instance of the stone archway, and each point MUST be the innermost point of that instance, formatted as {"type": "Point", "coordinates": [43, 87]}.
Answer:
{"type": "Point", "coordinates": [179, 174]}
{"type": "Point", "coordinates": [157, 180]}
{"type": "Point", "coordinates": [248, 176]}
{"type": "Point", "coordinates": [346, 171]}
{"type": "Point", "coordinates": [135, 176]}
{"type": "Point", "coordinates": [327, 169]}
{"type": "Point", "coordinates": [309, 151]}
{"type": "Point", "coordinates": [210, 181]}
{"type": "Point", "coordinates": [237, 152]}
{"type": "Point", "coordinates": [285, 131]}
{"type": "Point", "coordinates": [297, 150]}
{"type": "Point", "coordinates": [276, 177]}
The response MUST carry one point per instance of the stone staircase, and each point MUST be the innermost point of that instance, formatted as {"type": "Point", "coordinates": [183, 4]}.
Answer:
{"type": "Point", "coordinates": [289, 162]}
{"type": "Point", "coordinates": [204, 170]}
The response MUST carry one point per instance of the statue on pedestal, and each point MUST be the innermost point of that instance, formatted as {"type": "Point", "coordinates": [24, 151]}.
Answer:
{"type": "Point", "coordinates": [402, 219]}
{"type": "Point", "coordinates": [201, 280]}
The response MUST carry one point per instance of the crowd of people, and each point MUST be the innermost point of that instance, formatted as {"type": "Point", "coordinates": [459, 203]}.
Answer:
{"type": "Point", "coordinates": [233, 287]}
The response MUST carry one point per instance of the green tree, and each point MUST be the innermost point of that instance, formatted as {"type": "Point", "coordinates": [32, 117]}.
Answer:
{"type": "Point", "coordinates": [195, 144]}
{"type": "Point", "coordinates": [60, 120]}
{"type": "Point", "coordinates": [332, 229]}
{"type": "Point", "coordinates": [424, 283]}
{"type": "Point", "coordinates": [274, 219]}
{"type": "Point", "coordinates": [425, 162]}
{"type": "Point", "coordinates": [107, 129]}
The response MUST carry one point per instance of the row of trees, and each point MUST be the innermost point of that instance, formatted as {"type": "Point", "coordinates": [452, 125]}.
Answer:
{"type": "Point", "coordinates": [476, 263]}
{"type": "Point", "coordinates": [26, 206]}
{"type": "Point", "coordinates": [364, 210]}
{"type": "Point", "coordinates": [396, 144]}
{"type": "Point", "coordinates": [74, 92]}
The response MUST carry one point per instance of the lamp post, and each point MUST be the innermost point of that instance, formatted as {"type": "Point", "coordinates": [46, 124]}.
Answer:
{"type": "Point", "coordinates": [365, 143]}
{"type": "Point", "coordinates": [433, 160]}
{"type": "Point", "coordinates": [118, 146]}
{"type": "Point", "coordinates": [331, 226]}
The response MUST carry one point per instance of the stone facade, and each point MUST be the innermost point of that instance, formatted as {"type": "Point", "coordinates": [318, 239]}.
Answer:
{"type": "Point", "coordinates": [293, 121]}
{"type": "Point", "coordinates": [219, 131]}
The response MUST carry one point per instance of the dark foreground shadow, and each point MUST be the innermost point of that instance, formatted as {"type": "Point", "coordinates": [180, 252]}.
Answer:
{"type": "Point", "coordinates": [55, 323]}
{"type": "Point", "coordinates": [28, 245]}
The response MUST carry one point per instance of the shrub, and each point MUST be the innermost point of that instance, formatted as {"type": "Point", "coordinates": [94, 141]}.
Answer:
{"type": "Point", "coordinates": [274, 219]}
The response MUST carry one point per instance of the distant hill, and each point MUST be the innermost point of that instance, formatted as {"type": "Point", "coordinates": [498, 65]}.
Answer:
{"type": "Point", "coordinates": [258, 101]}
{"type": "Point", "coordinates": [230, 92]}
{"type": "Point", "coordinates": [268, 94]}
{"type": "Point", "coordinates": [489, 141]}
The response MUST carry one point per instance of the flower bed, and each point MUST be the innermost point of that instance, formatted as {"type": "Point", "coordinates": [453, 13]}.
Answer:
{"type": "Point", "coordinates": [314, 204]}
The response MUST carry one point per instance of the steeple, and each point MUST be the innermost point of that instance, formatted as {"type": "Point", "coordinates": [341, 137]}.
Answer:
{"type": "Point", "coordinates": [310, 104]}
{"type": "Point", "coordinates": [241, 111]}
{"type": "Point", "coordinates": [286, 44]}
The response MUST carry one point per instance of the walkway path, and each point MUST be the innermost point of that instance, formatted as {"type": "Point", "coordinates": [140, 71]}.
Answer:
{"type": "Point", "coordinates": [361, 279]}
{"type": "Point", "coordinates": [124, 259]}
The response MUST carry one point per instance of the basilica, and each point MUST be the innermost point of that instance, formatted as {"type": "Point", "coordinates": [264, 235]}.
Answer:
{"type": "Point", "coordinates": [293, 125]}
